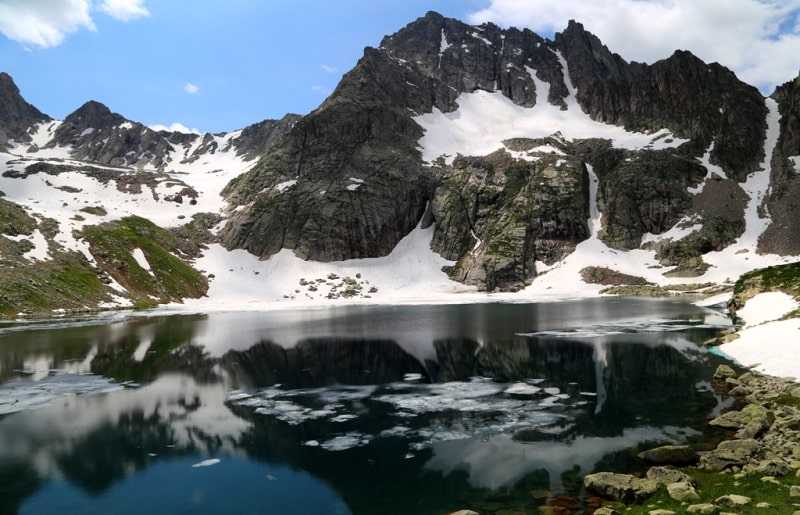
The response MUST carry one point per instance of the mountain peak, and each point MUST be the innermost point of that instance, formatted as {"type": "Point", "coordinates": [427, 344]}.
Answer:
{"type": "Point", "coordinates": [16, 115]}
{"type": "Point", "coordinates": [94, 114]}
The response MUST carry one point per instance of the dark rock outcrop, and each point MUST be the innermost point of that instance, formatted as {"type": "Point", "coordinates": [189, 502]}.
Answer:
{"type": "Point", "coordinates": [497, 216]}
{"type": "Point", "coordinates": [16, 115]}
{"type": "Point", "coordinates": [97, 135]}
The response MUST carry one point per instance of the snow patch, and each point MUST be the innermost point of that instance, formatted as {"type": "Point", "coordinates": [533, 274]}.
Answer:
{"type": "Point", "coordinates": [283, 186]}
{"type": "Point", "coordinates": [796, 162]}
{"type": "Point", "coordinates": [484, 119]}
{"type": "Point", "coordinates": [354, 184]}
{"type": "Point", "coordinates": [766, 307]}
{"type": "Point", "coordinates": [40, 250]}
{"type": "Point", "coordinates": [140, 258]}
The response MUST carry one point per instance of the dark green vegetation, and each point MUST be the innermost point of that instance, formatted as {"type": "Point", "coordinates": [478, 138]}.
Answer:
{"type": "Point", "coordinates": [169, 278]}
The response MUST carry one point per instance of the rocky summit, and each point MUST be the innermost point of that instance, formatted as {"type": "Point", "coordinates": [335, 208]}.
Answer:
{"type": "Point", "coordinates": [516, 151]}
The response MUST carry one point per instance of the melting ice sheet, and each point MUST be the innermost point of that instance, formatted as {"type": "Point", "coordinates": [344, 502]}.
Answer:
{"type": "Point", "coordinates": [632, 326]}
{"type": "Point", "coordinates": [27, 395]}
{"type": "Point", "coordinates": [422, 413]}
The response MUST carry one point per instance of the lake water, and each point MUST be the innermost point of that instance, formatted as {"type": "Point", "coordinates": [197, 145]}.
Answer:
{"type": "Point", "coordinates": [362, 410]}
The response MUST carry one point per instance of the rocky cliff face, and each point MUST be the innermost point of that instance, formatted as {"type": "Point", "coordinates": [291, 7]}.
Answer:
{"type": "Point", "coordinates": [783, 235]}
{"type": "Point", "coordinates": [16, 115]}
{"type": "Point", "coordinates": [348, 181]}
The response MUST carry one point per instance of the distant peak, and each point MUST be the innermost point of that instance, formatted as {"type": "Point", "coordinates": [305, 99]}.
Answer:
{"type": "Point", "coordinates": [94, 114]}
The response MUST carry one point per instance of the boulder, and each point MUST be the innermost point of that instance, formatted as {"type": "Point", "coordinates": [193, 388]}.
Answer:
{"type": "Point", "coordinates": [703, 509]}
{"type": "Point", "coordinates": [775, 468]}
{"type": "Point", "coordinates": [731, 453]}
{"type": "Point", "coordinates": [724, 372]}
{"type": "Point", "coordinates": [665, 475]}
{"type": "Point", "coordinates": [670, 455]}
{"type": "Point", "coordinates": [620, 487]}
{"type": "Point", "coordinates": [732, 501]}
{"type": "Point", "coordinates": [682, 492]}
{"type": "Point", "coordinates": [757, 419]}
{"type": "Point", "coordinates": [751, 421]}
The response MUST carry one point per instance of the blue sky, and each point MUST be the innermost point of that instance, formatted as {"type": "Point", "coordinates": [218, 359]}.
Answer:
{"type": "Point", "coordinates": [220, 65]}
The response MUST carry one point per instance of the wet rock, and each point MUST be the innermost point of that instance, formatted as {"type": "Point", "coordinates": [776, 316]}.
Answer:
{"type": "Point", "coordinates": [605, 511]}
{"type": "Point", "coordinates": [564, 501]}
{"type": "Point", "coordinates": [620, 487]}
{"type": "Point", "coordinates": [670, 455]}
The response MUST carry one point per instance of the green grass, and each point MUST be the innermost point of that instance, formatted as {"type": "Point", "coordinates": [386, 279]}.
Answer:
{"type": "Point", "coordinates": [784, 278]}
{"type": "Point", "coordinates": [712, 485]}
{"type": "Point", "coordinates": [169, 278]}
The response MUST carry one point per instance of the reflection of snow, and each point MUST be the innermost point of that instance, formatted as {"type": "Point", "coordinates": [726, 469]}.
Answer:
{"type": "Point", "coordinates": [169, 401]}
{"type": "Point", "coordinates": [501, 461]}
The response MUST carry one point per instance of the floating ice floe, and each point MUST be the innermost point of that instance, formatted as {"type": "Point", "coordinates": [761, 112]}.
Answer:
{"type": "Point", "coordinates": [206, 463]}
{"type": "Point", "coordinates": [479, 408]}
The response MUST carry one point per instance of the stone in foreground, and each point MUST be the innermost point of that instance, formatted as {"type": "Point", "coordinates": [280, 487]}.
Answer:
{"type": "Point", "coordinates": [620, 487]}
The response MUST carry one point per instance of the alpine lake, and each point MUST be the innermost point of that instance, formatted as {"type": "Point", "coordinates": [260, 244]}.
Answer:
{"type": "Point", "coordinates": [423, 409]}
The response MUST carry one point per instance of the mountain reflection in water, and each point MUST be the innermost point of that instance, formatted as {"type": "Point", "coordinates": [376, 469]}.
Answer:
{"type": "Point", "coordinates": [350, 408]}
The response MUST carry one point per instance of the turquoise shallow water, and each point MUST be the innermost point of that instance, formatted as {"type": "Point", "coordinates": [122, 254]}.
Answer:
{"type": "Point", "coordinates": [390, 409]}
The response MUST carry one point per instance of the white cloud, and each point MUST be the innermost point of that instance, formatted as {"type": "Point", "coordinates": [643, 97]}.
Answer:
{"type": "Point", "coordinates": [43, 23]}
{"type": "Point", "coordinates": [125, 10]}
{"type": "Point", "coordinates": [175, 127]}
{"type": "Point", "coordinates": [191, 88]}
{"type": "Point", "coordinates": [329, 69]}
{"type": "Point", "coordinates": [758, 39]}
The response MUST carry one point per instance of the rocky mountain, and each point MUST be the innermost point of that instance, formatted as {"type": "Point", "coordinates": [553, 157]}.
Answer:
{"type": "Point", "coordinates": [349, 181]}
{"type": "Point", "coordinates": [525, 158]}
{"type": "Point", "coordinates": [16, 115]}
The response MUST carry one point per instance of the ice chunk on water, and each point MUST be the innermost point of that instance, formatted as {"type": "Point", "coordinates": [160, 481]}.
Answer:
{"type": "Point", "coordinates": [347, 441]}
{"type": "Point", "coordinates": [206, 463]}
{"type": "Point", "coordinates": [522, 389]}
